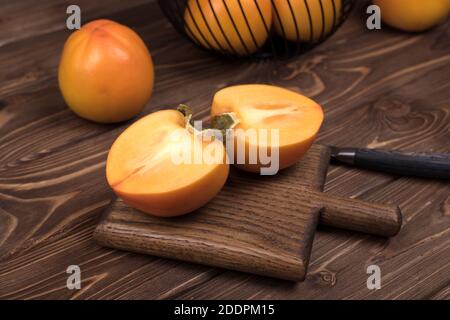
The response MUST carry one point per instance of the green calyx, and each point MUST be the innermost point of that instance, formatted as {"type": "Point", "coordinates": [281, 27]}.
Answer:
{"type": "Point", "coordinates": [219, 124]}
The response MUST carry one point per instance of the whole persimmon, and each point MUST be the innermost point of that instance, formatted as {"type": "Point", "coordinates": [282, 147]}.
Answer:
{"type": "Point", "coordinates": [305, 20]}
{"type": "Point", "coordinates": [234, 26]}
{"type": "Point", "coordinates": [413, 15]}
{"type": "Point", "coordinates": [106, 72]}
{"type": "Point", "coordinates": [163, 167]}
{"type": "Point", "coordinates": [271, 120]}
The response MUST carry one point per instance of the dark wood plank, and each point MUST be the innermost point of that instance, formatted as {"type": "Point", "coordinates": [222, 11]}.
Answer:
{"type": "Point", "coordinates": [257, 224]}
{"type": "Point", "coordinates": [383, 89]}
{"type": "Point", "coordinates": [263, 225]}
{"type": "Point", "coordinates": [339, 259]}
{"type": "Point", "coordinates": [24, 19]}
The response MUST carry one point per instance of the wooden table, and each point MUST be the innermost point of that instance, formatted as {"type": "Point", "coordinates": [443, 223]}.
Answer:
{"type": "Point", "coordinates": [380, 89]}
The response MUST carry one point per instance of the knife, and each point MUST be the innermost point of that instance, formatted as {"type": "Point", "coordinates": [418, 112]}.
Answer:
{"type": "Point", "coordinates": [424, 165]}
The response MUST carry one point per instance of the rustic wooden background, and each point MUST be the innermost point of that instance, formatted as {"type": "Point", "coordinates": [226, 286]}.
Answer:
{"type": "Point", "coordinates": [382, 89]}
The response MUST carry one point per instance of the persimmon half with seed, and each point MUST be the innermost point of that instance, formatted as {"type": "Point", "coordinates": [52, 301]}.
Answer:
{"type": "Point", "coordinates": [296, 118]}
{"type": "Point", "coordinates": [141, 169]}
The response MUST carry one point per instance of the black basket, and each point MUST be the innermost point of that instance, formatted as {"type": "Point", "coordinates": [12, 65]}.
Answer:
{"type": "Point", "coordinates": [243, 27]}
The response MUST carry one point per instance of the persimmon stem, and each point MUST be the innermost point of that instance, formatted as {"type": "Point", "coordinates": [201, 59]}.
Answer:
{"type": "Point", "coordinates": [219, 124]}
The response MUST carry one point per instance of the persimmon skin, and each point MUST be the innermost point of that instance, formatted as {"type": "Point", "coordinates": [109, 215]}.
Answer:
{"type": "Point", "coordinates": [257, 106]}
{"type": "Point", "coordinates": [140, 169]}
{"type": "Point", "coordinates": [297, 28]}
{"type": "Point", "coordinates": [413, 15]}
{"type": "Point", "coordinates": [106, 72]}
{"type": "Point", "coordinates": [223, 35]}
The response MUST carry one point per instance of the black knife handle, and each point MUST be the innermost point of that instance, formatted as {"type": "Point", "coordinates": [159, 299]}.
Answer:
{"type": "Point", "coordinates": [404, 163]}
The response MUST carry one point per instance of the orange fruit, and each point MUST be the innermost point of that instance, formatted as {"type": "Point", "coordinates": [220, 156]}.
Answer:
{"type": "Point", "coordinates": [296, 118]}
{"type": "Point", "coordinates": [106, 72]}
{"type": "Point", "coordinates": [233, 26]}
{"type": "Point", "coordinates": [142, 170]}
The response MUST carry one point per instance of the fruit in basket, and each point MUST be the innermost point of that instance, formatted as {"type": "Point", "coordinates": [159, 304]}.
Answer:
{"type": "Point", "coordinates": [296, 118]}
{"type": "Point", "coordinates": [413, 15]}
{"type": "Point", "coordinates": [159, 166]}
{"type": "Point", "coordinates": [106, 72]}
{"type": "Point", "coordinates": [233, 26]}
{"type": "Point", "coordinates": [305, 20]}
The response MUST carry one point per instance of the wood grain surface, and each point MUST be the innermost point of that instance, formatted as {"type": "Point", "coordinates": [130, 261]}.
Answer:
{"type": "Point", "coordinates": [257, 224]}
{"type": "Point", "coordinates": [381, 89]}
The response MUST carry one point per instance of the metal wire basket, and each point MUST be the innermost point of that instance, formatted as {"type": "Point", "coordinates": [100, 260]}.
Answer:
{"type": "Point", "coordinates": [257, 28]}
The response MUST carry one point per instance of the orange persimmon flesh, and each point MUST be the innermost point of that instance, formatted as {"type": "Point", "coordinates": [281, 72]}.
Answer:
{"type": "Point", "coordinates": [140, 168]}
{"type": "Point", "coordinates": [297, 118]}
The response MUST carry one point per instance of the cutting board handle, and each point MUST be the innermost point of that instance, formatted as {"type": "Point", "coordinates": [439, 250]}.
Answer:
{"type": "Point", "coordinates": [352, 214]}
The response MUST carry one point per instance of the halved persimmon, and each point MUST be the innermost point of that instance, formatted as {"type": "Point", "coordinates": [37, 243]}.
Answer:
{"type": "Point", "coordinates": [290, 120]}
{"type": "Point", "coordinates": [145, 169]}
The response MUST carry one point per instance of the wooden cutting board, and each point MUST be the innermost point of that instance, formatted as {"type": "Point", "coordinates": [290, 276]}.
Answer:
{"type": "Point", "coordinates": [258, 224]}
